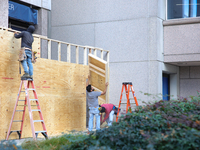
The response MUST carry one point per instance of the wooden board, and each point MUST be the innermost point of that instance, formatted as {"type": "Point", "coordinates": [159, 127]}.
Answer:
{"type": "Point", "coordinates": [99, 75]}
{"type": "Point", "coordinates": [60, 87]}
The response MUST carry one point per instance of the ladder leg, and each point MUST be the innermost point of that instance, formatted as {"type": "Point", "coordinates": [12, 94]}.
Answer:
{"type": "Point", "coordinates": [127, 96]}
{"type": "Point", "coordinates": [38, 106]}
{"type": "Point", "coordinates": [21, 129]}
{"type": "Point", "coordinates": [128, 99]}
{"type": "Point", "coordinates": [8, 133]}
{"type": "Point", "coordinates": [29, 109]}
{"type": "Point", "coordinates": [120, 103]}
{"type": "Point", "coordinates": [136, 102]}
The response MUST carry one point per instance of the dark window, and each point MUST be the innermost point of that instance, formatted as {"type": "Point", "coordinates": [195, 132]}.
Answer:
{"type": "Point", "coordinates": [166, 86]}
{"type": "Point", "coordinates": [183, 8]}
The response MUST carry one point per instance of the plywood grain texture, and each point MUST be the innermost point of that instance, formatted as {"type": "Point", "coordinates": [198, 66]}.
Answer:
{"type": "Point", "coordinates": [98, 78]}
{"type": "Point", "coordinates": [60, 87]}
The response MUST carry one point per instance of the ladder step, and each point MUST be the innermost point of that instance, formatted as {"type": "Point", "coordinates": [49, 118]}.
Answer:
{"type": "Point", "coordinates": [19, 110]}
{"type": "Point", "coordinates": [30, 89]}
{"type": "Point", "coordinates": [126, 92]}
{"type": "Point", "coordinates": [27, 105]}
{"type": "Point", "coordinates": [17, 120]}
{"type": "Point", "coordinates": [40, 131]}
{"type": "Point", "coordinates": [21, 100]}
{"type": "Point", "coordinates": [15, 131]}
{"type": "Point", "coordinates": [33, 99]}
{"type": "Point", "coordinates": [36, 110]}
{"type": "Point", "coordinates": [22, 91]}
{"type": "Point", "coordinates": [38, 120]}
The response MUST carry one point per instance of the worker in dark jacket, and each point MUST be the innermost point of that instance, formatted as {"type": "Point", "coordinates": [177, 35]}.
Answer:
{"type": "Point", "coordinates": [26, 42]}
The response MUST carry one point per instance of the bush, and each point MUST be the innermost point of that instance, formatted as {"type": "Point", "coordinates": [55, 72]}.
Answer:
{"type": "Point", "coordinates": [162, 125]}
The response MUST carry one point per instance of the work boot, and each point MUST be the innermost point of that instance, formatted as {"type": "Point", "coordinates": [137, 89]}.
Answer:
{"type": "Point", "coordinates": [25, 76]}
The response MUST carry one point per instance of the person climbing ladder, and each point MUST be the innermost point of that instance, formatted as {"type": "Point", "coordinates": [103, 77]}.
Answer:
{"type": "Point", "coordinates": [26, 46]}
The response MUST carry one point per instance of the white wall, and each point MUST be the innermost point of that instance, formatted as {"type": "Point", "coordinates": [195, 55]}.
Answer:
{"type": "Point", "coordinates": [131, 30]}
{"type": "Point", "coordinates": [40, 3]}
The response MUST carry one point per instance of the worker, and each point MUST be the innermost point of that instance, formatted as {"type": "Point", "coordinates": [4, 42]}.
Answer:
{"type": "Point", "coordinates": [26, 43]}
{"type": "Point", "coordinates": [109, 110]}
{"type": "Point", "coordinates": [93, 104]}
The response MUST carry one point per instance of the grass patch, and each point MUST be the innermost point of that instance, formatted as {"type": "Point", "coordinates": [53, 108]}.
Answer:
{"type": "Point", "coordinates": [55, 143]}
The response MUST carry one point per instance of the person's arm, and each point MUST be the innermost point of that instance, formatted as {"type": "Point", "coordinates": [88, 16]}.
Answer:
{"type": "Point", "coordinates": [18, 35]}
{"type": "Point", "coordinates": [104, 92]}
{"type": "Point", "coordinates": [106, 117]}
{"type": "Point", "coordinates": [88, 81]}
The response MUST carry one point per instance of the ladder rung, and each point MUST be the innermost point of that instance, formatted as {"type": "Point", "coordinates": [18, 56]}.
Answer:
{"type": "Point", "coordinates": [38, 120]}
{"type": "Point", "coordinates": [27, 105]}
{"type": "Point", "coordinates": [36, 110]}
{"type": "Point", "coordinates": [33, 99]}
{"type": "Point", "coordinates": [19, 110]}
{"type": "Point", "coordinates": [22, 91]}
{"type": "Point", "coordinates": [15, 131]}
{"type": "Point", "coordinates": [126, 92]}
{"type": "Point", "coordinates": [21, 100]}
{"type": "Point", "coordinates": [17, 120]}
{"type": "Point", "coordinates": [126, 103]}
{"type": "Point", "coordinates": [31, 89]}
{"type": "Point", "coordinates": [40, 131]}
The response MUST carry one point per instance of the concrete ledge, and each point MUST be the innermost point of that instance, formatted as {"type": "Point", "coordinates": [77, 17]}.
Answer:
{"type": "Point", "coordinates": [181, 21]}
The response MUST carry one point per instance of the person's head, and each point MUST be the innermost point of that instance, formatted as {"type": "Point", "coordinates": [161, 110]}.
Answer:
{"type": "Point", "coordinates": [89, 88]}
{"type": "Point", "coordinates": [115, 109]}
{"type": "Point", "coordinates": [31, 29]}
{"type": "Point", "coordinates": [102, 109]}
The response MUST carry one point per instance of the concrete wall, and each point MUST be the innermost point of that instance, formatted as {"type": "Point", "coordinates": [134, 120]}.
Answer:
{"type": "Point", "coordinates": [42, 29]}
{"type": "Point", "coordinates": [181, 40]}
{"type": "Point", "coordinates": [4, 13]}
{"type": "Point", "coordinates": [189, 81]}
{"type": "Point", "coordinates": [131, 30]}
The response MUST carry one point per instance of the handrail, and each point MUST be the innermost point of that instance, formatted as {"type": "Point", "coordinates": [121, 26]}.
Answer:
{"type": "Point", "coordinates": [86, 49]}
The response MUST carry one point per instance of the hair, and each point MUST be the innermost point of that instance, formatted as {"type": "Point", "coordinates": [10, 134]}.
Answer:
{"type": "Point", "coordinates": [102, 109]}
{"type": "Point", "coordinates": [88, 88]}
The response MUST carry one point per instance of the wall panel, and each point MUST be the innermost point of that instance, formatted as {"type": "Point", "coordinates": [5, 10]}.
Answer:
{"type": "Point", "coordinates": [60, 87]}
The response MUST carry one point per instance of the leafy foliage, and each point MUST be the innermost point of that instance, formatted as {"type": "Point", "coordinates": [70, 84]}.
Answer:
{"type": "Point", "coordinates": [9, 145]}
{"type": "Point", "coordinates": [163, 125]}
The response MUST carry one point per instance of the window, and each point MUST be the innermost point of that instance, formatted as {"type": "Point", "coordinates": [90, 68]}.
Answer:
{"type": "Point", "coordinates": [183, 8]}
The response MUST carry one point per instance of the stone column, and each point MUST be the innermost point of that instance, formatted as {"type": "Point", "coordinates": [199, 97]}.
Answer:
{"type": "Point", "coordinates": [42, 29]}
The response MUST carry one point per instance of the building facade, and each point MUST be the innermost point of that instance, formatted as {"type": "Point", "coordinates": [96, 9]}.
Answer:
{"type": "Point", "coordinates": [153, 43]}
{"type": "Point", "coordinates": [19, 14]}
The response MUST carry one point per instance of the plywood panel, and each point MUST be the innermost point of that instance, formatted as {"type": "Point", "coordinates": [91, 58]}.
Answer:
{"type": "Point", "coordinates": [98, 73]}
{"type": "Point", "coordinates": [60, 87]}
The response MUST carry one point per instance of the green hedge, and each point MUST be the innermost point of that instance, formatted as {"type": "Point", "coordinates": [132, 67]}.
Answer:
{"type": "Point", "coordinates": [163, 125]}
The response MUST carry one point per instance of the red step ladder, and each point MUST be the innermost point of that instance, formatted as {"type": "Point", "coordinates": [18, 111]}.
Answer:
{"type": "Point", "coordinates": [128, 88]}
{"type": "Point", "coordinates": [27, 101]}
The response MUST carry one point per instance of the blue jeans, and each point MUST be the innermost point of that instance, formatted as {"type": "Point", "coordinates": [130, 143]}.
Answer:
{"type": "Point", "coordinates": [27, 63]}
{"type": "Point", "coordinates": [94, 112]}
{"type": "Point", "coordinates": [110, 118]}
